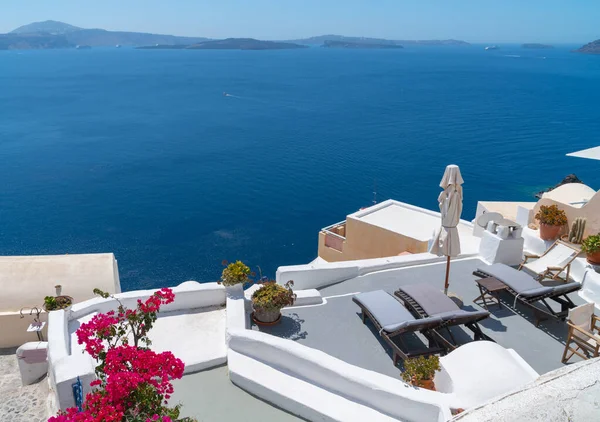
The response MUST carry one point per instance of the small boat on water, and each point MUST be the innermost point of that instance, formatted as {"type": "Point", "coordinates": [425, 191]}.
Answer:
{"type": "Point", "coordinates": [83, 47]}
{"type": "Point", "coordinates": [492, 47]}
{"type": "Point", "coordinates": [118, 46]}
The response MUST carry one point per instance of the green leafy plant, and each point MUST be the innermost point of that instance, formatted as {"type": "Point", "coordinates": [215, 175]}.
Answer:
{"type": "Point", "coordinates": [235, 273]}
{"type": "Point", "coordinates": [272, 296]}
{"type": "Point", "coordinates": [52, 303]}
{"type": "Point", "coordinates": [591, 244]}
{"type": "Point", "coordinates": [551, 215]}
{"type": "Point", "coordinates": [420, 369]}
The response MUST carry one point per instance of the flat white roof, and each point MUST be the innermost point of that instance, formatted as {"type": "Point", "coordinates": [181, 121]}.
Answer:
{"type": "Point", "coordinates": [575, 194]}
{"type": "Point", "coordinates": [405, 221]}
{"type": "Point", "coordinates": [414, 222]}
{"type": "Point", "coordinates": [591, 153]}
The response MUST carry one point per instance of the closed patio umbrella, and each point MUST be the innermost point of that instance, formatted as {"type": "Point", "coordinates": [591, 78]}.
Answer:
{"type": "Point", "coordinates": [447, 241]}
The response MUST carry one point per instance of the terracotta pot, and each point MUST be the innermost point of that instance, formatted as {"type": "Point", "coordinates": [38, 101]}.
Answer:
{"type": "Point", "coordinates": [548, 232]}
{"type": "Point", "coordinates": [594, 258]}
{"type": "Point", "coordinates": [427, 384]}
{"type": "Point", "coordinates": [61, 297]}
{"type": "Point", "coordinates": [263, 316]}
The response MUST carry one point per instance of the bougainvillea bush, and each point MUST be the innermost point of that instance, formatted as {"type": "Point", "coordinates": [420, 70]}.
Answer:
{"type": "Point", "coordinates": [133, 383]}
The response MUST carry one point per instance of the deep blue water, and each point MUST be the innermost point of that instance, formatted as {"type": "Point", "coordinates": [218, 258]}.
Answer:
{"type": "Point", "coordinates": [139, 152]}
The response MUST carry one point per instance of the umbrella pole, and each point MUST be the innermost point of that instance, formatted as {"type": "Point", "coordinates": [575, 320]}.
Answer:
{"type": "Point", "coordinates": [446, 284]}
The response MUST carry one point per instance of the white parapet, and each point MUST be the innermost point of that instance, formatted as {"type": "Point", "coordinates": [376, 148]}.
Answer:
{"type": "Point", "coordinates": [196, 317]}
{"type": "Point", "coordinates": [317, 386]}
{"type": "Point", "coordinates": [481, 370]}
{"type": "Point", "coordinates": [320, 274]}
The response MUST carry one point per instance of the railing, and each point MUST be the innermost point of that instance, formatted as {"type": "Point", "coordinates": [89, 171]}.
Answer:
{"type": "Point", "coordinates": [333, 235]}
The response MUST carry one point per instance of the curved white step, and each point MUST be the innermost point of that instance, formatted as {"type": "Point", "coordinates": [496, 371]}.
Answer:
{"type": "Point", "coordinates": [296, 396]}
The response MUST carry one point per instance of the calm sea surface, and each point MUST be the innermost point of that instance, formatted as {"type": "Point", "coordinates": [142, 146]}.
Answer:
{"type": "Point", "coordinates": [140, 153]}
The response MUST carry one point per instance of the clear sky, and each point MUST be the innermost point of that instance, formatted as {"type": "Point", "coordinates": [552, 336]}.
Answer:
{"type": "Point", "coordinates": [555, 21]}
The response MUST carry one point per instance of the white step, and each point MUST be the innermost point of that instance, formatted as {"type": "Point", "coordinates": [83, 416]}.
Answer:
{"type": "Point", "coordinates": [296, 396]}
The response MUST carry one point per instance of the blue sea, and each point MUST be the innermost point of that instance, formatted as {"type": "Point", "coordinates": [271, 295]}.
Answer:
{"type": "Point", "coordinates": [140, 153]}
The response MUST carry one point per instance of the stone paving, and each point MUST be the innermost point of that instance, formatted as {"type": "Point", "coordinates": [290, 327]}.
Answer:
{"type": "Point", "coordinates": [20, 403]}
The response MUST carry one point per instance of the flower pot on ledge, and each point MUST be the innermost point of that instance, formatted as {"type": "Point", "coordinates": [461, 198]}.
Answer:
{"type": "Point", "coordinates": [64, 302]}
{"type": "Point", "coordinates": [266, 317]}
{"type": "Point", "coordinates": [426, 384]}
{"type": "Point", "coordinates": [548, 232]}
{"type": "Point", "coordinates": [594, 258]}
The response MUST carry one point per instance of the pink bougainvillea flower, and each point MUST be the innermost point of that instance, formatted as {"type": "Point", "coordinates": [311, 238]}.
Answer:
{"type": "Point", "coordinates": [133, 382]}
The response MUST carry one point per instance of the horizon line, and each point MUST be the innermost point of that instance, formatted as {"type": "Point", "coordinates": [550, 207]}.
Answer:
{"type": "Point", "coordinates": [320, 35]}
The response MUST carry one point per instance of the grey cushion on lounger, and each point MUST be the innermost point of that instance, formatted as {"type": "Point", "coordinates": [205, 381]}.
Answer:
{"type": "Point", "coordinates": [461, 316]}
{"type": "Point", "coordinates": [436, 304]}
{"type": "Point", "coordinates": [432, 300]}
{"type": "Point", "coordinates": [521, 282]}
{"type": "Point", "coordinates": [389, 313]}
{"type": "Point", "coordinates": [566, 288]}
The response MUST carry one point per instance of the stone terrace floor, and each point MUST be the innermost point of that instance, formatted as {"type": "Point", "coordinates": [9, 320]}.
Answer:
{"type": "Point", "coordinates": [20, 403]}
{"type": "Point", "coordinates": [337, 329]}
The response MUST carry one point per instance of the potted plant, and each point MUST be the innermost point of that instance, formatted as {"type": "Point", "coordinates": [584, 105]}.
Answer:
{"type": "Point", "coordinates": [552, 219]}
{"type": "Point", "coordinates": [421, 370]}
{"type": "Point", "coordinates": [234, 275]}
{"type": "Point", "coordinates": [268, 300]}
{"type": "Point", "coordinates": [54, 303]}
{"type": "Point", "coordinates": [591, 246]}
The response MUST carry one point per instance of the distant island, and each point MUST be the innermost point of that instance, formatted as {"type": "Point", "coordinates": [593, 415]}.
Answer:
{"type": "Point", "coordinates": [53, 34]}
{"type": "Point", "coordinates": [359, 45]}
{"type": "Point", "coordinates": [322, 39]}
{"type": "Point", "coordinates": [33, 41]}
{"type": "Point", "coordinates": [230, 44]}
{"type": "Point", "coordinates": [536, 46]}
{"type": "Point", "coordinates": [590, 48]}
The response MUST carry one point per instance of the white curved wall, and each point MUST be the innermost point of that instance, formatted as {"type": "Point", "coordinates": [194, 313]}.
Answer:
{"type": "Point", "coordinates": [384, 394]}
{"type": "Point", "coordinates": [481, 370]}
{"type": "Point", "coordinates": [65, 367]}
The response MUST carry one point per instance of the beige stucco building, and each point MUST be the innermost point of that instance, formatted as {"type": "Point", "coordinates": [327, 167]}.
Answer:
{"type": "Point", "coordinates": [387, 229]}
{"type": "Point", "coordinates": [26, 280]}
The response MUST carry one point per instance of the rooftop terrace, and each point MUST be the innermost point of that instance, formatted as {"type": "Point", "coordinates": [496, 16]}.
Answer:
{"type": "Point", "coordinates": [336, 327]}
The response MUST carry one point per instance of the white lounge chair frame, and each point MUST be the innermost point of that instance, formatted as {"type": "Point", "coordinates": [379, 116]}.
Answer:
{"type": "Point", "coordinates": [552, 263]}
{"type": "Point", "coordinates": [583, 338]}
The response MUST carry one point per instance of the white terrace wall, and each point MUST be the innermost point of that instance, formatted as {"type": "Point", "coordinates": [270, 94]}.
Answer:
{"type": "Point", "coordinates": [379, 392]}
{"type": "Point", "coordinates": [64, 367]}
{"type": "Point", "coordinates": [321, 274]}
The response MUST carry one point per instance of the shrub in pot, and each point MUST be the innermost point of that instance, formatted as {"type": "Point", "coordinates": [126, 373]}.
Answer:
{"type": "Point", "coordinates": [268, 300]}
{"type": "Point", "coordinates": [53, 303]}
{"type": "Point", "coordinates": [591, 246]}
{"type": "Point", "coordinates": [420, 371]}
{"type": "Point", "coordinates": [235, 273]}
{"type": "Point", "coordinates": [552, 219]}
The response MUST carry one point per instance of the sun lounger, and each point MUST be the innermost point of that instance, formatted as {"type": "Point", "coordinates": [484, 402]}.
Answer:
{"type": "Point", "coordinates": [529, 291]}
{"type": "Point", "coordinates": [392, 320]}
{"type": "Point", "coordinates": [552, 263]}
{"type": "Point", "coordinates": [425, 301]}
